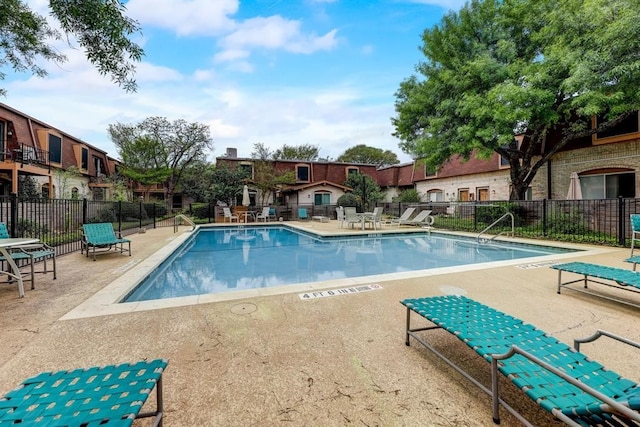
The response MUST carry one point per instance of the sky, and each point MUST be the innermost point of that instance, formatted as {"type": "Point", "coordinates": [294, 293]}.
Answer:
{"type": "Point", "coordinates": [275, 72]}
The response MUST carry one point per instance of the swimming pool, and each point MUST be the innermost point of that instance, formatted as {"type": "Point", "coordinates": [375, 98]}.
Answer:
{"type": "Point", "coordinates": [223, 259]}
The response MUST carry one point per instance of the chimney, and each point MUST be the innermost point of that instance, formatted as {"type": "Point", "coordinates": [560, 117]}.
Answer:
{"type": "Point", "coordinates": [232, 153]}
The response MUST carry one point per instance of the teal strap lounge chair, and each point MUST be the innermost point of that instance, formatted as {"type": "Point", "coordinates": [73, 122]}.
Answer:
{"type": "Point", "coordinates": [576, 390]}
{"type": "Point", "coordinates": [29, 255]}
{"type": "Point", "coordinates": [634, 219]}
{"type": "Point", "coordinates": [633, 260]}
{"type": "Point", "coordinates": [101, 238]}
{"type": "Point", "coordinates": [99, 396]}
{"type": "Point", "coordinates": [302, 214]}
{"type": "Point", "coordinates": [618, 278]}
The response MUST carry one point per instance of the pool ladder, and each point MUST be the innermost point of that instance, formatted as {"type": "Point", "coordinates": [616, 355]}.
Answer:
{"type": "Point", "coordinates": [185, 219]}
{"type": "Point", "coordinates": [485, 240]}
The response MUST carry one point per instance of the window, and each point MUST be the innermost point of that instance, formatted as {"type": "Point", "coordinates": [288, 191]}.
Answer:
{"type": "Point", "coordinates": [247, 169]}
{"type": "Point", "coordinates": [302, 173]}
{"type": "Point", "coordinates": [429, 171]}
{"type": "Point", "coordinates": [84, 161]}
{"type": "Point", "coordinates": [45, 191]}
{"type": "Point", "coordinates": [74, 193]}
{"type": "Point", "coordinates": [435, 196]}
{"type": "Point", "coordinates": [322, 198]}
{"type": "Point", "coordinates": [627, 126]}
{"type": "Point", "coordinates": [99, 193]}
{"type": "Point", "coordinates": [352, 171]}
{"type": "Point", "coordinates": [608, 186]}
{"type": "Point", "coordinates": [99, 165]}
{"type": "Point", "coordinates": [55, 149]}
{"type": "Point", "coordinates": [463, 195]}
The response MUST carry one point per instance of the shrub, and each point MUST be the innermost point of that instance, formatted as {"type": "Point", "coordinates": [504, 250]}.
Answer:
{"type": "Point", "coordinates": [348, 199]}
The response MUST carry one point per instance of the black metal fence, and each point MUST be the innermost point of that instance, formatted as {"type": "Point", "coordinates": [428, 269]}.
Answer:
{"type": "Point", "coordinates": [59, 222]}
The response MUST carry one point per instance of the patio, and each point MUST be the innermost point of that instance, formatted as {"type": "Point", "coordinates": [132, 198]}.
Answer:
{"type": "Point", "coordinates": [279, 360]}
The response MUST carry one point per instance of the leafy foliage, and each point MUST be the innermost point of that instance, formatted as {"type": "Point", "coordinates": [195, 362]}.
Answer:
{"type": "Point", "coordinates": [496, 68]}
{"type": "Point", "coordinates": [99, 26]}
{"type": "Point", "coordinates": [408, 196]}
{"type": "Point", "coordinates": [368, 155]}
{"type": "Point", "coordinates": [28, 190]}
{"type": "Point", "coordinates": [227, 184]}
{"type": "Point", "coordinates": [305, 152]}
{"type": "Point", "coordinates": [365, 189]}
{"type": "Point", "coordinates": [268, 179]}
{"type": "Point", "coordinates": [158, 151]}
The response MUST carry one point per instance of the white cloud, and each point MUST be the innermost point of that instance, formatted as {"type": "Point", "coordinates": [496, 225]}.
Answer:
{"type": "Point", "coordinates": [185, 17]}
{"type": "Point", "coordinates": [274, 32]}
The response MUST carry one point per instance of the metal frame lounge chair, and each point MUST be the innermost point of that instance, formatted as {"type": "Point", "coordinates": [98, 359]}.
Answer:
{"type": "Point", "coordinates": [576, 390]}
{"type": "Point", "coordinates": [423, 218]}
{"type": "Point", "coordinates": [618, 278]}
{"type": "Point", "coordinates": [109, 395]}
{"type": "Point", "coordinates": [29, 255]}
{"type": "Point", "coordinates": [102, 236]}
{"type": "Point", "coordinates": [404, 217]}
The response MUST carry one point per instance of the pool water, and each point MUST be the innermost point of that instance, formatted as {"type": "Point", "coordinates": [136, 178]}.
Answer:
{"type": "Point", "coordinates": [216, 260]}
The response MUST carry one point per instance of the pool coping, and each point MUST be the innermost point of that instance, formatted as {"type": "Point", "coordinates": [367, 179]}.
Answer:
{"type": "Point", "coordinates": [106, 301]}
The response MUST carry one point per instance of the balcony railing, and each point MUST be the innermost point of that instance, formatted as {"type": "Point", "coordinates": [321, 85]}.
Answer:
{"type": "Point", "coordinates": [27, 155]}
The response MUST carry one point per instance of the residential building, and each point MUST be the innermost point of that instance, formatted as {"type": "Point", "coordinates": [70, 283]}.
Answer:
{"type": "Point", "coordinates": [63, 166]}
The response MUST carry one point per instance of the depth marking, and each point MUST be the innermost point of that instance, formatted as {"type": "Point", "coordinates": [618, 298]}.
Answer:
{"type": "Point", "coordinates": [538, 264]}
{"type": "Point", "coordinates": [341, 291]}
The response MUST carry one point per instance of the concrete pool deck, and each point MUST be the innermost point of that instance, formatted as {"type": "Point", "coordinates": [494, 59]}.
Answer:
{"type": "Point", "coordinates": [278, 360]}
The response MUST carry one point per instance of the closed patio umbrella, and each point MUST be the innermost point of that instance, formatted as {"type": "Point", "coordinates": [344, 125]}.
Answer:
{"type": "Point", "coordinates": [575, 192]}
{"type": "Point", "coordinates": [246, 201]}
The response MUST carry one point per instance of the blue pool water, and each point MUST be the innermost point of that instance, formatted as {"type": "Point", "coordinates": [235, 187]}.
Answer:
{"type": "Point", "coordinates": [216, 260]}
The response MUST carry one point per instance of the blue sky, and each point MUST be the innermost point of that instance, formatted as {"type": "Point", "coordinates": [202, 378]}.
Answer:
{"type": "Point", "coordinates": [320, 72]}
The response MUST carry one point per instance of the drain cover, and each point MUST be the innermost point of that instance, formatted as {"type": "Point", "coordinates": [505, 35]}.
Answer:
{"type": "Point", "coordinates": [243, 308]}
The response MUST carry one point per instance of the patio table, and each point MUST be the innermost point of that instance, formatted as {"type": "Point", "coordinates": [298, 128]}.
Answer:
{"type": "Point", "coordinates": [5, 247]}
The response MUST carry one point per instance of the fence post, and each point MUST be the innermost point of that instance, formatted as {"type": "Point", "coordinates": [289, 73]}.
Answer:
{"type": "Point", "coordinates": [544, 217]}
{"type": "Point", "coordinates": [155, 214]}
{"type": "Point", "coordinates": [119, 216]}
{"type": "Point", "coordinates": [13, 213]}
{"type": "Point", "coordinates": [140, 214]}
{"type": "Point", "coordinates": [621, 223]}
{"type": "Point", "coordinates": [85, 210]}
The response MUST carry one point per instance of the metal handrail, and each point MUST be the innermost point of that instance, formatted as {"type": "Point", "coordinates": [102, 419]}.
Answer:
{"type": "Point", "coordinates": [513, 227]}
{"type": "Point", "coordinates": [185, 219]}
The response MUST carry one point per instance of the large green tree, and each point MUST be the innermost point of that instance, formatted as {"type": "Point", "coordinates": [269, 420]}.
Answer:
{"type": "Point", "coordinates": [369, 155]}
{"type": "Point", "coordinates": [305, 152]}
{"type": "Point", "coordinates": [365, 189]}
{"type": "Point", "coordinates": [502, 67]}
{"type": "Point", "coordinates": [158, 151]}
{"type": "Point", "coordinates": [100, 27]}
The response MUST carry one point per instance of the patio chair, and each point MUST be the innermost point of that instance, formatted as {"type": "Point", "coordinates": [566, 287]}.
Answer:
{"type": "Point", "coordinates": [423, 218]}
{"type": "Point", "coordinates": [575, 389]}
{"type": "Point", "coordinates": [302, 214]}
{"type": "Point", "coordinates": [618, 278]}
{"type": "Point", "coordinates": [108, 395]}
{"type": "Point", "coordinates": [229, 216]}
{"type": "Point", "coordinates": [264, 215]}
{"type": "Point", "coordinates": [404, 217]}
{"type": "Point", "coordinates": [351, 216]}
{"type": "Point", "coordinates": [340, 216]}
{"type": "Point", "coordinates": [374, 218]}
{"type": "Point", "coordinates": [29, 255]}
{"type": "Point", "coordinates": [635, 230]}
{"type": "Point", "coordinates": [101, 238]}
